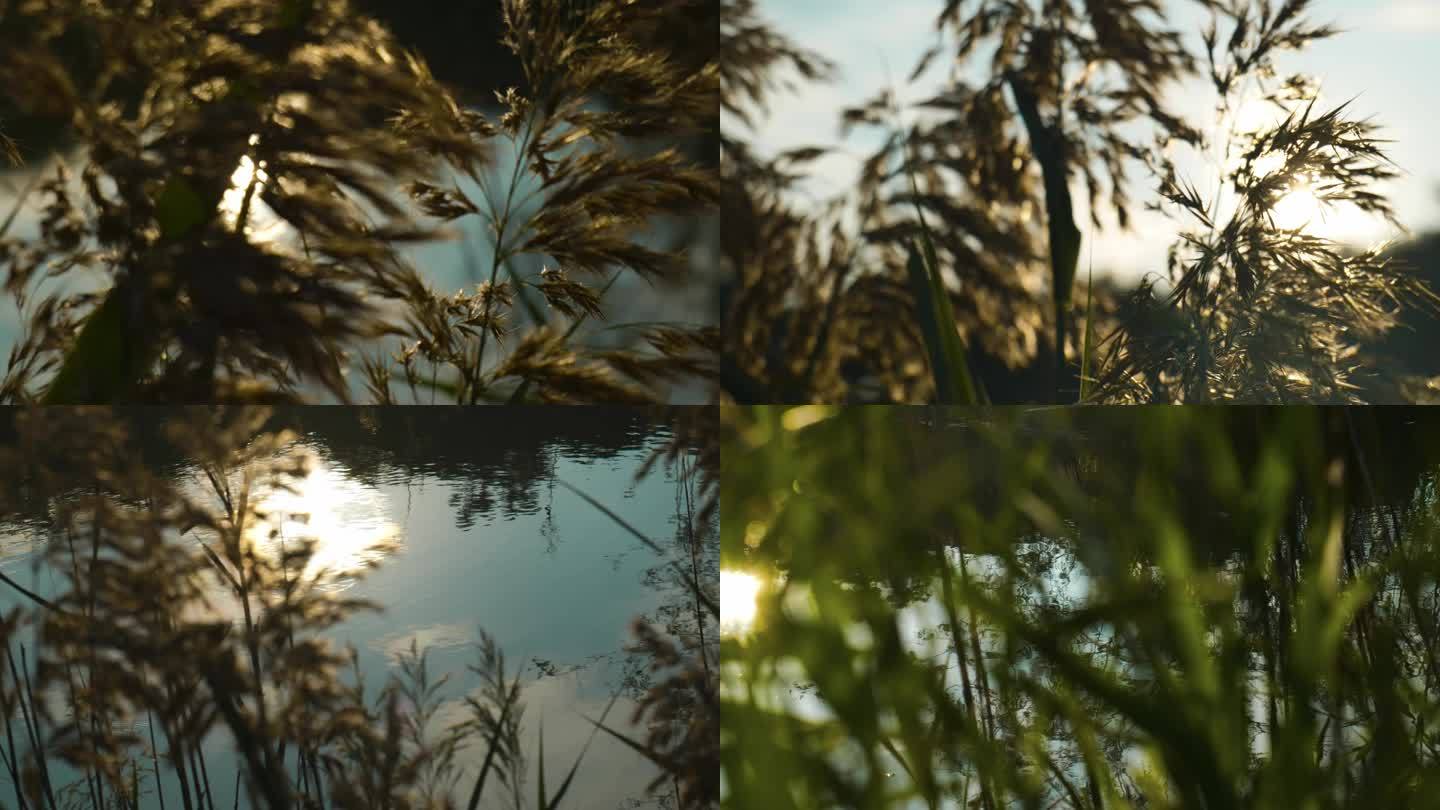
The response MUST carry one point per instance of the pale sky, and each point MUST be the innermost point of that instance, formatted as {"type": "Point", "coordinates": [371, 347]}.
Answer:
{"type": "Point", "coordinates": [1387, 58]}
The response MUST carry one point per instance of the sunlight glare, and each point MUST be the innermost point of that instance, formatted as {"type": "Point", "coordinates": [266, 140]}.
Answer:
{"type": "Point", "coordinates": [261, 224]}
{"type": "Point", "coordinates": [348, 520]}
{"type": "Point", "coordinates": [1298, 209]}
{"type": "Point", "coordinates": [739, 592]}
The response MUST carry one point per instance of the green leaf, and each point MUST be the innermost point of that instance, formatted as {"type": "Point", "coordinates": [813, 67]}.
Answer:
{"type": "Point", "coordinates": [953, 383]}
{"type": "Point", "coordinates": [294, 13]}
{"type": "Point", "coordinates": [105, 361]}
{"type": "Point", "coordinates": [570, 777]}
{"type": "Point", "coordinates": [179, 209]}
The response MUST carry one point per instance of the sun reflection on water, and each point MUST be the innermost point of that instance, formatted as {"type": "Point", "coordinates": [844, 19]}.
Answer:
{"type": "Point", "coordinates": [348, 520]}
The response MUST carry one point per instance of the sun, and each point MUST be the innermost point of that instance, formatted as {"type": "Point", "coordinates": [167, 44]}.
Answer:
{"type": "Point", "coordinates": [1301, 207]}
{"type": "Point", "coordinates": [739, 593]}
{"type": "Point", "coordinates": [261, 224]}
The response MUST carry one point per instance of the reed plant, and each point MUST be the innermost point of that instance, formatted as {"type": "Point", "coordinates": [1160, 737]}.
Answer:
{"type": "Point", "coordinates": [1044, 101]}
{"type": "Point", "coordinates": [149, 283]}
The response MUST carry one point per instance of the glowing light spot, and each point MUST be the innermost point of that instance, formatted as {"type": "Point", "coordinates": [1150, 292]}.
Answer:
{"type": "Point", "coordinates": [805, 416]}
{"type": "Point", "coordinates": [1268, 164]}
{"type": "Point", "coordinates": [261, 224]}
{"type": "Point", "coordinates": [1299, 208]}
{"type": "Point", "coordinates": [739, 593]}
{"type": "Point", "coordinates": [348, 521]}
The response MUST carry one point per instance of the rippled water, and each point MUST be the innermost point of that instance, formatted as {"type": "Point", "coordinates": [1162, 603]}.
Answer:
{"type": "Point", "coordinates": [464, 514]}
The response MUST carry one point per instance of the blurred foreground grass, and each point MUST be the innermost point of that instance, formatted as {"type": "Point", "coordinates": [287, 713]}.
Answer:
{"type": "Point", "coordinates": [1161, 608]}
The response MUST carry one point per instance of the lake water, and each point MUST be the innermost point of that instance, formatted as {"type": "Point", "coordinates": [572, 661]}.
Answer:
{"type": "Point", "coordinates": [483, 536]}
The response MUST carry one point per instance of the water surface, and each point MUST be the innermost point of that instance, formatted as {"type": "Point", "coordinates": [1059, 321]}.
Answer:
{"type": "Point", "coordinates": [474, 531]}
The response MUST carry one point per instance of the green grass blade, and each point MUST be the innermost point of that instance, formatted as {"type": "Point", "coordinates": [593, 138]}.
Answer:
{"type": "Point", "coordinates": [953, 383]}
{"type": "Point", "coordinates": [930, 327]}
{"type": "Point", "coordinates": [111, 356]}
{"type": "Point", "coordinates": [479, 788]}
{"type": "Point", "coordinates": [106, 361]}
{"type": "Point", "coordinates": [631, 744]}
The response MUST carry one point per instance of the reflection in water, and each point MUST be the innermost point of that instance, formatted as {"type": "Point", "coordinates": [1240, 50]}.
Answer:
{"type": "Point", "coordinates": [432, 637]}
{"type": "Point", "coordinates": [349, 521]}
{"type": "Point", "coordinates": [738, 594]}
{"type": "Point", "coordinates": [473, 498]}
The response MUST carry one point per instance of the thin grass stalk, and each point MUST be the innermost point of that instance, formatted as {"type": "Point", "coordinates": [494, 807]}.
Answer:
{"type": "Point", "coordinates": [982, 684]}
{"type": "Point", "coordinates": [32, 725]}
{"type": "Point", "coordinates": [12, 765]}
{"type": "Point", "coordinates": [301, 771]}
{"type": "Point", "coordinates": [957, 637]}
{"type": "Point", "coordinates": [70, 678]}
{"type": "Point", "coordinates": [155, 759]}
{"type": "Point", "coordinates": [204, 775]}
{"type": "Point", "coordinates": [97, 715]}
{"type": "Point", "coordinates": [710, 604]}
{"type": "Point", "coordinates": [499, 254]}
{"type": "Point", "coordinates": [686, 473]}
{"type": "Point", "coordinates": [195, 772]}
{"type": "Point", "coordinates": [569, 777]}
{"type": "Point", "coordinates": [510, 701]}
{"type": "Point", "coordinates": [251, 637]}
{"type": "Point", "coordinates": [69, 670]}
{"type": "Point", "coordinates": [1088, 342]}
{"type": "Point", "coordinates": [176, 753]}
{"type": "Point", "coordinates": [318, 777]}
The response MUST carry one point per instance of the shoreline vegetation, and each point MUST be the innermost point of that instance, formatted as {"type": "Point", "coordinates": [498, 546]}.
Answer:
{"type": "Point", "coordinates": [1081, 608]}
{"type": "Point", "coordinates": [134, 668]}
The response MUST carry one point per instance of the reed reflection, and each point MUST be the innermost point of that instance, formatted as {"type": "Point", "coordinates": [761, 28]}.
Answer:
{"type": "Point", "coordinates": [199, 596]}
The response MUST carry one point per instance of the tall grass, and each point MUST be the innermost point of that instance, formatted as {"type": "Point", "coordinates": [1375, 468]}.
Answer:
{"type": "Point", "coordinates": [1168, 608]}
{"type": "Point", "coordinates": [1043, 101]}
{"type": "Point", "coordinates": [165, 101]}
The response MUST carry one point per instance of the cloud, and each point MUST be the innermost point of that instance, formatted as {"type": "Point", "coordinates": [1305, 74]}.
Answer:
{"type": "Point", "coordinates": [1409, 17]}
{"type": "Point", "coordinates": [611, 775]}
{"type": "Point", "coordinates": [435, 636]}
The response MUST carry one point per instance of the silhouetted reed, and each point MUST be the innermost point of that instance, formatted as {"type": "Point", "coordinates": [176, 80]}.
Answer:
{"type": "Point", "coordinates": [325, 121]}
{"type": "Point", "coordinates": [1043, 101]}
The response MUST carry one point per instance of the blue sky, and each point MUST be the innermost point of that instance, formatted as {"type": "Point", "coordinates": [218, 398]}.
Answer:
{"type": "Point", "coordinates": [1387, 59]}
